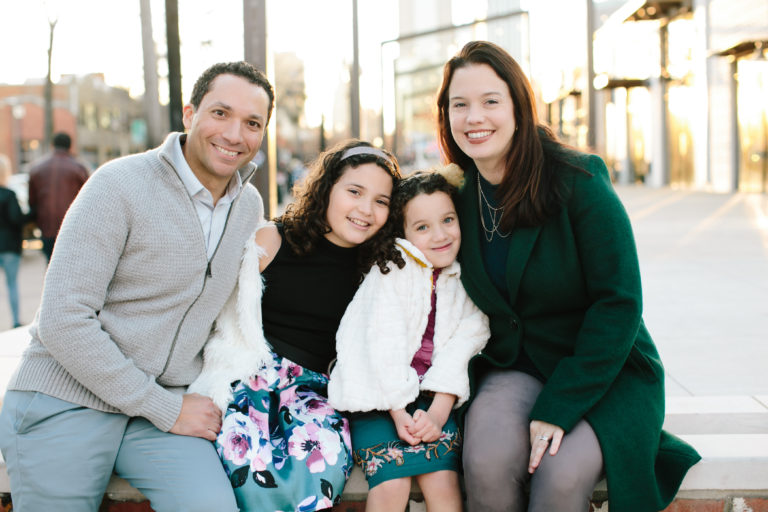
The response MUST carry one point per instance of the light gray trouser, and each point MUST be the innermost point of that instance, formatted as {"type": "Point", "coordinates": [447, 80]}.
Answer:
{"type": "Point", "coordinates": [497, 449]}
{"type": "Point", "coordinates": [60, 457]}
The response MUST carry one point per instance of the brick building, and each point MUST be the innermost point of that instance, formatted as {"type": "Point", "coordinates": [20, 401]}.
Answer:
{"type": "Point", "coordinates": [105, 122]}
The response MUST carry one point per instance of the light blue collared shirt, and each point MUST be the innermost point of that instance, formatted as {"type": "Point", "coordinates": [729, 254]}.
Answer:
{"type": "Point", "coordinates": [212, 217]}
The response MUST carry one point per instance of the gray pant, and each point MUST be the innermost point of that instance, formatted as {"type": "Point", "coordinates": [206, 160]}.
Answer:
{"type": "Point", "coordinates": [497, 448]}
{"type": "Point", "coordinates": [60, 457]}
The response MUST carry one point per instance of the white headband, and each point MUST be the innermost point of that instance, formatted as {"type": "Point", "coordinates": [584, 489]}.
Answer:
{"type": "Point", "coordinates": [365, 150]}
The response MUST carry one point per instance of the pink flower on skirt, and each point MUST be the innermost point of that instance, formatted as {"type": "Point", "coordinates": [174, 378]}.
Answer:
{"type": "Point", "coordinates": [315, 444]}
{"type": "Point", "coordinates": [261, 448]}
{"type": "Point", "coordinates": [258, 383]}
{"type": "Point", "coordinates": [288, 373]}
{"type": "Point", "coordinates": [235, 438]}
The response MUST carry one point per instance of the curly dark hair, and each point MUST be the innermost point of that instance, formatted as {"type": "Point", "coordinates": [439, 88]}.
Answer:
{"type": "Point", "coordinates": [305, 220]}
{"type": "Point", "coordinates": [243, 70]}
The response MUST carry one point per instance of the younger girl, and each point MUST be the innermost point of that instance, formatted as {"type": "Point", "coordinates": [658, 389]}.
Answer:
{"type": "Point", "coordinates": [403, 347]}
{"type": "Point", "coordinates": [281, 444]}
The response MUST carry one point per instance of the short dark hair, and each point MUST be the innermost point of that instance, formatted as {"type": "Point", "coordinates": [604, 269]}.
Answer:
{"type": "Point", "coordinates": [62, 141]}
{"type": "Point", "coordinates": [240, 68]}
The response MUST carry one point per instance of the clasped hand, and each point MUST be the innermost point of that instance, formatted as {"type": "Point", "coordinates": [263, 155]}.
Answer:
{"type": "Point", "coordinates": [422, 427]}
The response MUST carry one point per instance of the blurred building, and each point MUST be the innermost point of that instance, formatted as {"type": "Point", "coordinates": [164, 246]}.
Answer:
{"type": "Point", "coordinates": [413, 63]}
{"type": "Point", "coordinates": [683, 93]}
{"type": "Point", "coordinates": [104, 121]}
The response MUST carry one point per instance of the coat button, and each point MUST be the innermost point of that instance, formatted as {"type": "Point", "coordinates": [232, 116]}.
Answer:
{"type": "Point", "coordinates": [514, 323]}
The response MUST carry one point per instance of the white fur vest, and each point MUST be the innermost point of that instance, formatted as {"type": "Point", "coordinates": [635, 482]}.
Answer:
{"type": "Point", "coordinates": [237, 348]}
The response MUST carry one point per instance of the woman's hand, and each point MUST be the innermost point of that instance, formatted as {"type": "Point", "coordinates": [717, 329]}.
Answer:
{"type": "Point", "coordinates": [404, 425]}
{"type": "Point", "coordinates": [543, 435]}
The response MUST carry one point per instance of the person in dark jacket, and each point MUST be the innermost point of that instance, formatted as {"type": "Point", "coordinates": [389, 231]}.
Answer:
{"type": "Point", "coordinates": [11, 223]}
{"type": "Point", "coordinates": [570, 387]}
{"type": "Point", "coordinates": [53, 185]}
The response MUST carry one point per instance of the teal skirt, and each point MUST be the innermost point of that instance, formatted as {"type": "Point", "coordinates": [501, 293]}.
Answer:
{"type": "Point", "coordinates": [383, 456]}
{"type": "Point", "coordinates": [283, 447]}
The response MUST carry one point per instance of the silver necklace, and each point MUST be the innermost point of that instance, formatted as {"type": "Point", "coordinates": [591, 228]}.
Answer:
{"type": "Point", "coordinates": [494, 213]}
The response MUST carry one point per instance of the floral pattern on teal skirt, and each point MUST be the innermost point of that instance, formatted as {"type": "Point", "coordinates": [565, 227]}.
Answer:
{"type": "Point", "coordinates": [383, 456]}
{"type": "Point", "coordinates": [283, 447]}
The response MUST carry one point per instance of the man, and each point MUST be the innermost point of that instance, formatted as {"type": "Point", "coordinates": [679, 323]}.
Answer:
{"type": "Point", "coordinates": [53, 185]}
{"type": "Point", "coordinates": [147, 255]}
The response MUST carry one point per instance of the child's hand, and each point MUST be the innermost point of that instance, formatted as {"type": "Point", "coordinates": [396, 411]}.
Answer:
{"type": "Point", "coordinates": [405, 426]}
{"type": "Point", "coordinates": [426, 426]}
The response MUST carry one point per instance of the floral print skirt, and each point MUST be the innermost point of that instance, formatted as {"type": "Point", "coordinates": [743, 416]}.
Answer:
{"type": "Point", "coordinates": [384, 456]}
{"type": "Point", "coordinates": [283, 447]}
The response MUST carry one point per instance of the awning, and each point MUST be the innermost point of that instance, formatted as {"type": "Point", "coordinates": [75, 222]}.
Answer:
{"type": "Point", "coordinates": [744, 49]}
{"type": "Point", "coordinates": [645, 10]}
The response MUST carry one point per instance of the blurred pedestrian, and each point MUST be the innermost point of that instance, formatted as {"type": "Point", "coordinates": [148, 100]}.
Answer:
{"type": "Point", "coordinates": [11, 223]}
{"type": "Point", "coordinates": [53, 185]}
{"type": "Point", "coordinates": [570, 388]}
{"type": "Point", "coordinates": [147, 256]}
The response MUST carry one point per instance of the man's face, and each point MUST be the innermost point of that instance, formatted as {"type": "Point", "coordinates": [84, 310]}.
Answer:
{"type": "Point", "coordinates": [225, 131]}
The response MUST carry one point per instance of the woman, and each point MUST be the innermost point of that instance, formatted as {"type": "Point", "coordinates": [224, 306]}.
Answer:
{"type": "Point", "coordinates": [282, 445]}
{"type": "Point", "coordinates": [11, 223]}
{"type": "Point", "coordinates": [570, 388]}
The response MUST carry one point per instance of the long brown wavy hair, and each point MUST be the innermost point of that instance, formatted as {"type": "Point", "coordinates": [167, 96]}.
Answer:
{"type": "Point", "coordinates": [305, 221]}
{"type": "Point", "coordinates": [530, 190]}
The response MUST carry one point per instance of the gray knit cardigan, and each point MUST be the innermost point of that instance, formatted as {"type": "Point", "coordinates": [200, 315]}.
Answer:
{"type": "Point", "coordinates": [130, 296]}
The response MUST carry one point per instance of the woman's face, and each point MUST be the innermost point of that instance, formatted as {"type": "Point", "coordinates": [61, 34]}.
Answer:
{"type": "Point", "coordinates": [482, 116]}
{"type": "Point", "coordinates": [358, 205]}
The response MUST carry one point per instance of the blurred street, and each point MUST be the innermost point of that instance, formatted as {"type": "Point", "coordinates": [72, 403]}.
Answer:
{"type": "Point", "coordinates": [704, 263]}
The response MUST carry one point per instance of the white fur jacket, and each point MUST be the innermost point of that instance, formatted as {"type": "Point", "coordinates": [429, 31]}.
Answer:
{"type": "Point", "coordinates": [382, 330]}
{"type": "Point", "coordinates": [237, 348]}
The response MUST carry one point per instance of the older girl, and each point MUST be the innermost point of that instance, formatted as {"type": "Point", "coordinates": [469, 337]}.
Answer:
{"type": "Point", "coordinates": [282, 445]}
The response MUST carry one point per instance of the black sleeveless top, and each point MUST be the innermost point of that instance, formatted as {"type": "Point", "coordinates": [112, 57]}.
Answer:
{"type": "Point", "coordinates": [304, 300]}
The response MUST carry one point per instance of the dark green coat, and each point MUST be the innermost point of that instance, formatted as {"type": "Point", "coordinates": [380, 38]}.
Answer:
{"type": "Point", "coordinates": [575, 303]}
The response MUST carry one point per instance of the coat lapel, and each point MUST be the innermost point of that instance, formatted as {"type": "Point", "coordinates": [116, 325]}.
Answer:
{"type": "Point", "coordinates": [520, 248]}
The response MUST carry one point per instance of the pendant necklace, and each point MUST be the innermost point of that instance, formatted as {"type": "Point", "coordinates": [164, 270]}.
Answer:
{"type": "Point", "coordinates": [495, 214]}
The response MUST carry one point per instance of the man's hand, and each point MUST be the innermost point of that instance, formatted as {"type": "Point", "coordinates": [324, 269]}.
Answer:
{"type": "Point", "coordinates": [199, 418]}
{"type": "Point", "coordinates": [404, 425]}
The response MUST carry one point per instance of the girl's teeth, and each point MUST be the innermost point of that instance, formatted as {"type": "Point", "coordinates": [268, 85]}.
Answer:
{"type": "Point", "coordinates": [477, 135]}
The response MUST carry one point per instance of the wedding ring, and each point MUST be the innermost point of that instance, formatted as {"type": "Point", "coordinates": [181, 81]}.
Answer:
{"type": "Point", "coordinates": [543, 438]}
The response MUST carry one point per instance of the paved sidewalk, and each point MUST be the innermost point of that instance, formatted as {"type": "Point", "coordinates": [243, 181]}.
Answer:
{"type": "Point", "coordinates": [704, 264]}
